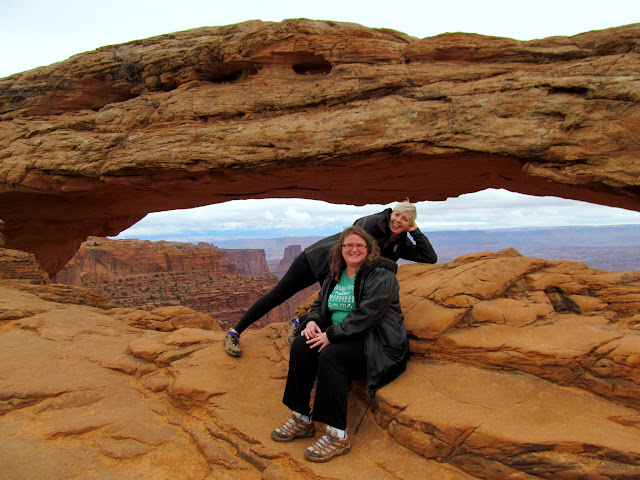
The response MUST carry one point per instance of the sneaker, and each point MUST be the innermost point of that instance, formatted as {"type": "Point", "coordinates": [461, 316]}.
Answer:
{"type": "Point", "coordinates": [294, 428]}
{"type": "Point", "coordinates": [232, 344]}
{"type": "Point", "coordinates": [293, 330]}
{"type": "Point", "coordinates": [327, 447]}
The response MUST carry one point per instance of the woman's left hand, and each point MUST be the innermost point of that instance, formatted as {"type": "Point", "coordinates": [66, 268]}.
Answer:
{"type": "Point", "coordinates": [412, 227]}
{"type": "Point", "coordinates": [319, 341]}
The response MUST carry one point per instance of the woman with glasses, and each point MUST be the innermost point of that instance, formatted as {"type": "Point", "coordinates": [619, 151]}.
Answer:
{"type": "Point", "coordinates": [389, 229]}
{"type": "Point", "coordinates": [353, 331]}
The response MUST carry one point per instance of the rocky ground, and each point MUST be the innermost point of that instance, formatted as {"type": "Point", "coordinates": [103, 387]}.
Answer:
{"type": "Point", "coordinates": [521, 368]}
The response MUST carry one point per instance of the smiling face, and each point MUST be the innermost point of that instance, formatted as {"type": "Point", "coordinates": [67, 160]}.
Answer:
{"type": "Point", "coordinates": [354, 251]}
{"type": "Point", "coordinates": [400, 222]}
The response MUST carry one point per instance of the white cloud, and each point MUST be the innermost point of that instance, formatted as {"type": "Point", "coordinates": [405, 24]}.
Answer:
{"type": "Point", "coordinates": [489, 209]}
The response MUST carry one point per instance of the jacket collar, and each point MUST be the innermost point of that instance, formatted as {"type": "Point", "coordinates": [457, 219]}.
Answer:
{"type": "Point", "coordinates": [380, 262]}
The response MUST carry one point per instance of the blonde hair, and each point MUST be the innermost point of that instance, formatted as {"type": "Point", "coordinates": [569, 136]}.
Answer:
{"type": "Point", "coordinates": [408, 207]}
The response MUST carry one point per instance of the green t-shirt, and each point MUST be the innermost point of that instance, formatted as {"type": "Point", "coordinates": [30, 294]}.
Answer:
{"type": "Point", "coordinates": [341, 300]}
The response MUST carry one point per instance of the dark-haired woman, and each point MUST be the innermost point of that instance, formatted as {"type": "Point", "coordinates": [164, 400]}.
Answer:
{"type": "Point", "coordinates": [354, 330]}
{"type": "Point", "coordinates": [389, 229]}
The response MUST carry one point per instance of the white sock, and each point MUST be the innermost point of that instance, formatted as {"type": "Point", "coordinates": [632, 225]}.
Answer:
{"type": "Point", "coordinates": [336, 432]}
{"type": "Point", "coordinates": [304, 418]}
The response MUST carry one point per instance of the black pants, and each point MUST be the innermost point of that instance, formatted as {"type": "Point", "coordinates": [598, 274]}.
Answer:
{"type": "Point", "coordinates": [335, 366]}
{"type": "Point", "coordinates": [298, 277]}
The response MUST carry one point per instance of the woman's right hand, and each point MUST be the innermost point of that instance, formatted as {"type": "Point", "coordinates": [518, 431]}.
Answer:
{"type": "Point", "coordinates": [312, 330]}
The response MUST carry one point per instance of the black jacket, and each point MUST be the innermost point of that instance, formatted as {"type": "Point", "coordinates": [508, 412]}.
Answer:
{"type": "Point", "coordinates": [378, 226]}
{"type": "Point", "coordinates": [377, 318]}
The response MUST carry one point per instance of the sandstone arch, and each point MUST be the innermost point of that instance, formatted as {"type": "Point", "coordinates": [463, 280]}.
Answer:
{"type": "Point", "coordinates": [322, 110]}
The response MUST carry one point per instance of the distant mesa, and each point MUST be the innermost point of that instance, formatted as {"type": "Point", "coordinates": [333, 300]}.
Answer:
{"type": "Point", "coordinates": [290, 254]}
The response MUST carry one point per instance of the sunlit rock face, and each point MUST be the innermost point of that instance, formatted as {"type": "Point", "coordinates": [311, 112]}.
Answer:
{"type": "Point", "coordinates": [305, 108]}
{"type": "Point", "coordinates": [520, 368]}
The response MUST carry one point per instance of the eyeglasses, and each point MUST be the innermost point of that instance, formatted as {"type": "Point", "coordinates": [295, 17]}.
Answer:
{"type": "Point", "coordinates": [350, 246]}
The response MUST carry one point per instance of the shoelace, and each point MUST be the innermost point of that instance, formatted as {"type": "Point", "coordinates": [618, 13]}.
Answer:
{"type": "Point", "coordinates": [290, 424]}
{"type": "Point", "coordinates": [235, 340]}
{"type": "Point", "coordinates": [323, 443]}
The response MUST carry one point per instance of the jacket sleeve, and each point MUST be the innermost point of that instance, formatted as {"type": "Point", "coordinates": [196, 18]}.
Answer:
{"type": "Point", "coordinates": [421, 252]}
{"type": "Point", "coordinates": [380, 289]}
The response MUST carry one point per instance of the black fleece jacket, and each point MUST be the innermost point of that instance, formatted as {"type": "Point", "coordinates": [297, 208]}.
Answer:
{"type": "Point", "coordinates": [377, 318]}
{"type": "Point", "coordinates": [378, 226]}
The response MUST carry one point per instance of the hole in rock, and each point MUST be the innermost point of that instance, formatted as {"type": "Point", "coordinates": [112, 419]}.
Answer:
{"type": "Point", "coordinates": [312, 65]}
{"type": "Point", "coordinates": [227, 73]}
{"type": "Point", "coordinates": [580, 91]}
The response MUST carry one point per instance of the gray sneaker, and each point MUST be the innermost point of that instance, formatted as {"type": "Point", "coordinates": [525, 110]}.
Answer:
{"type": "Point", "coordinates": [293, 428]}
{"type": "Point", "coordinates": [328, 447]}
{"type": "Point", "coordinates": [293, 330]}
{"type": "Point", "coordinates": [232, 344]}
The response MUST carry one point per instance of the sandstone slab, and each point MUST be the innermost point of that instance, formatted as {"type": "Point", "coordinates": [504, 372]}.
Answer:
{"type": "Point", "coordinates": [85, 394]}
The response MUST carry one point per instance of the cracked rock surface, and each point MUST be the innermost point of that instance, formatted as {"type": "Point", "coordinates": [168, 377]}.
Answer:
{"type": "Point", "coordinates": [521, 368]}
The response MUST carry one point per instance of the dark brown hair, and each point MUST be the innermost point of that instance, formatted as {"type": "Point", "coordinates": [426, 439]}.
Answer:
{"type": "Point", "coordinates": [336, 261]}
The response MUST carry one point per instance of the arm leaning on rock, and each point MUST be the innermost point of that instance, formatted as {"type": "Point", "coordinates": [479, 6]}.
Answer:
{"type": "Point", "coordinates": [422, 251]}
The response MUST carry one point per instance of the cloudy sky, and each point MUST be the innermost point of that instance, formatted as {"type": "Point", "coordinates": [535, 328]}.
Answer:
{"type": "Point", "coordinates": [41, 32]}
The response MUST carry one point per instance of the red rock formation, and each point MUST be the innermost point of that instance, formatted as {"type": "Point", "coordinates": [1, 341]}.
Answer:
{"type": "Point", "coordinates": [92, 144]}
{"type": "Point", "coordinates": [521, 368]}
{"type": "Point", "coordinates": [135, 273]}
{"type": "Point", "coordinates": [15, 264]}
{"type": "Point", "coordinates": [251, 262]}
{"type": "Point", "coordinates": [290, 253]}
{"type": "Point", "coordinates": [170, 319]}
{"type": "Point", "coordinates": [105, 258]}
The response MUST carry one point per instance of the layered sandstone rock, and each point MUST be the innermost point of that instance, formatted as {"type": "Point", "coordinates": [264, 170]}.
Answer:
{"type": "Point", "coordinates": [90, 145]}
{"type": "Point", "coordinates": [290, 253]}
{"type": "Point", "coordinates": [520, 368]}
{"type": "Point", "coordinates": [136, 273]}
{"type": "Point", "coordinates": [170, 319]}
{"type": "Point", "coordinates": [251, 262]}
{"type": "Point", "coordinates": [15, 264]}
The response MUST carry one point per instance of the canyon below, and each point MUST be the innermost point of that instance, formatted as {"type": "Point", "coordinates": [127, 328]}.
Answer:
{"type": "Point", "coordinates": [223, 283]}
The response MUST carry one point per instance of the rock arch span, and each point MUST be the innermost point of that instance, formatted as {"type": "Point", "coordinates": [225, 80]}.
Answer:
{"type": "Point", "coordinates": [320, 110]}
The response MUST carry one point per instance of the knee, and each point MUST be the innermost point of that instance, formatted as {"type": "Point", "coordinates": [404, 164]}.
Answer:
{"type": "Point", "coordinates": [299, 345]}
{"type": "Point", "coordinates": [328, 356]}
